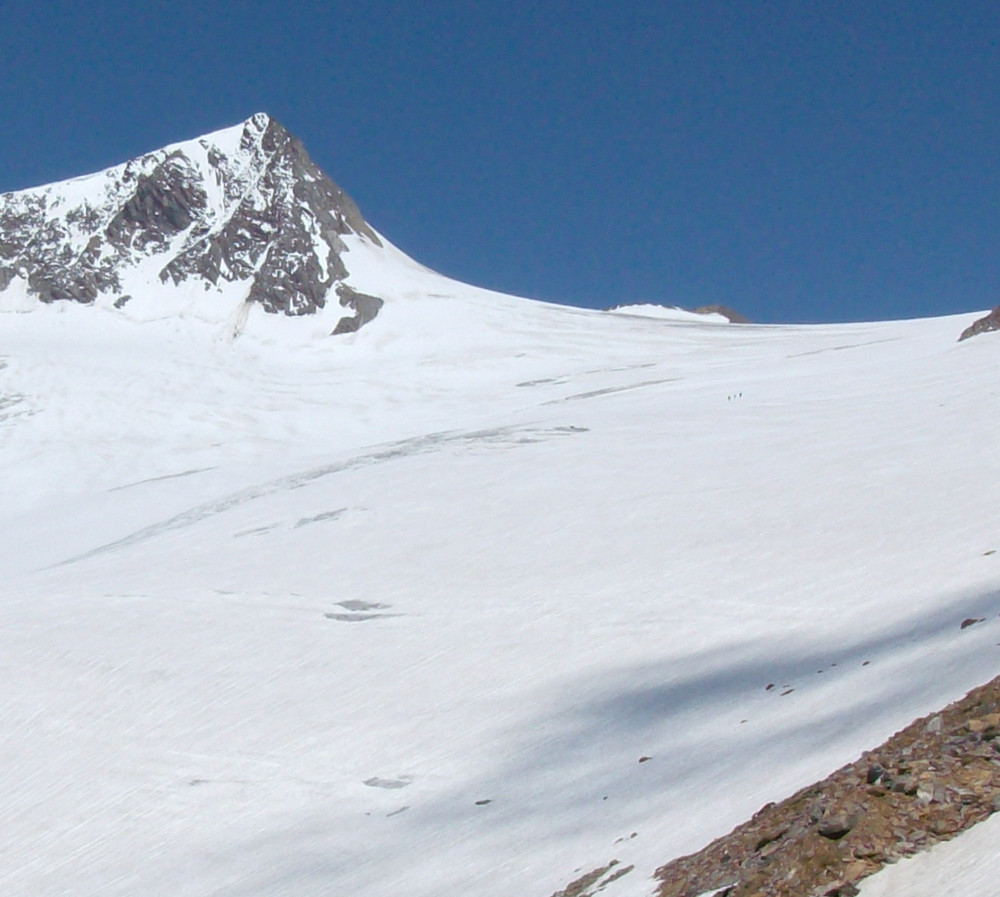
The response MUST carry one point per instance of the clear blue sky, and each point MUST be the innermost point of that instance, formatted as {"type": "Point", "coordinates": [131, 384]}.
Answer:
{"type": "Point", "coordinates": [799, 161]}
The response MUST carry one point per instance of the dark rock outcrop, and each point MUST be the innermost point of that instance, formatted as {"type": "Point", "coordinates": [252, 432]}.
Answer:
{"type": "Point", "coordinates": [162, 204]}
{"type": "Point", "coordinates": [262, 213]}
{"type": "Point", "coordinates": [365, 308]}
{"type": "Point", "coordinates": [983, 325]}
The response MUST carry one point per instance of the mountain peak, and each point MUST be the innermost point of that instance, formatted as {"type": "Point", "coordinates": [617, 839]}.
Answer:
{"type": "Point", "coordinates": [259, 120]}
{"type": "Point", "coordinates": [243, 210]}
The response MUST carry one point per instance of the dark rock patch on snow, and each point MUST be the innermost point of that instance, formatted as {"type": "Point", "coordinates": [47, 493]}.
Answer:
{"type": "Point", "coordinates": [365, 309]}
{"type": "Point", "coordinates": [595, 881]}
{"type": "Point", "coordinates": [982, 325]}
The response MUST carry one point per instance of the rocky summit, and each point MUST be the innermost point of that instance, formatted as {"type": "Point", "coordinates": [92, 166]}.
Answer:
{"type": "Point", "coordinates": [245, 206]}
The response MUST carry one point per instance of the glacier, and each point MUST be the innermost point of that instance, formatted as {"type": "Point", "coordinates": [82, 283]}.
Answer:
{"type": "Point", "coordinates": [404, 608]}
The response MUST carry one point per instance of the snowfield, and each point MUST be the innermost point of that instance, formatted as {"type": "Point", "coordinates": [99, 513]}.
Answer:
{"type": "Point", "coordinates": [403, 610]}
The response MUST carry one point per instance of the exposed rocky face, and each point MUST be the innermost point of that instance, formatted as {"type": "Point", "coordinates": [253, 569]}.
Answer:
{"type": "Point", "coordinates": [244, 205]}
{"type": "Point", "coordinates": [983, 325]}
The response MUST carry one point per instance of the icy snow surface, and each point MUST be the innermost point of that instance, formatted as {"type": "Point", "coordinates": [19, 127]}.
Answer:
{"type": "Point", "coordinates": [401, 611]}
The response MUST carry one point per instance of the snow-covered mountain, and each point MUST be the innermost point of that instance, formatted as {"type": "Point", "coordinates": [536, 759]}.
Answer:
{"type": "Point", "coordinates": [470, 601]}
{"type": "Point", "coordinates": [243, 214]}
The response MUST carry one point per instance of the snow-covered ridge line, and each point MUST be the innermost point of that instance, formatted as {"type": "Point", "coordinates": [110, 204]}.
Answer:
{"type": "Point", "coordinates": [720, 314]}
{"type": "Point", "coordinates": [667, 313]}
{"type": "Point", "coordinates": [242, 214]}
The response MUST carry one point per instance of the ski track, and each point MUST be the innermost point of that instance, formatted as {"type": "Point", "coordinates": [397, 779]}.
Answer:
{"type": "Point", "coordinates": [609, 390]}
{"type": "Point", "coordinates": [874, 342]}
{"type": "Point", "coordinates": [166, 476]}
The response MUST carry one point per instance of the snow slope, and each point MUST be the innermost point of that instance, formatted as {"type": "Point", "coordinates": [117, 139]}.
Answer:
{"type": "Point", "coordinates": [283, 614]}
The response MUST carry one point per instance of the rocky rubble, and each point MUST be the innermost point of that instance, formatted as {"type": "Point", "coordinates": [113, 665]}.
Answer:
{"type": "Point", "coordinates": [935, 778]}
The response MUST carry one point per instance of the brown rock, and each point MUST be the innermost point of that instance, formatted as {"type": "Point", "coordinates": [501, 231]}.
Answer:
{"type": "Point", "coordinates": [982, 325]}
{"type": "Point", "coordinates": [838, 820]}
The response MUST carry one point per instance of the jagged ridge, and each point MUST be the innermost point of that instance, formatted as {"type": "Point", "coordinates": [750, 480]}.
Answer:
{"type": "Point", "coordinates": [243, 205]}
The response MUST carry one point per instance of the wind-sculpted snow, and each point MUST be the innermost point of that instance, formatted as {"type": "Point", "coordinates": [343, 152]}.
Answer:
{"type": "Point", "coordinates": [245, 206]}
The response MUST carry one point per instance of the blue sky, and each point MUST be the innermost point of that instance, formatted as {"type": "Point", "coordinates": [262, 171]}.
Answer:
{"type": "Point", "coordinates": [797, 161]}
